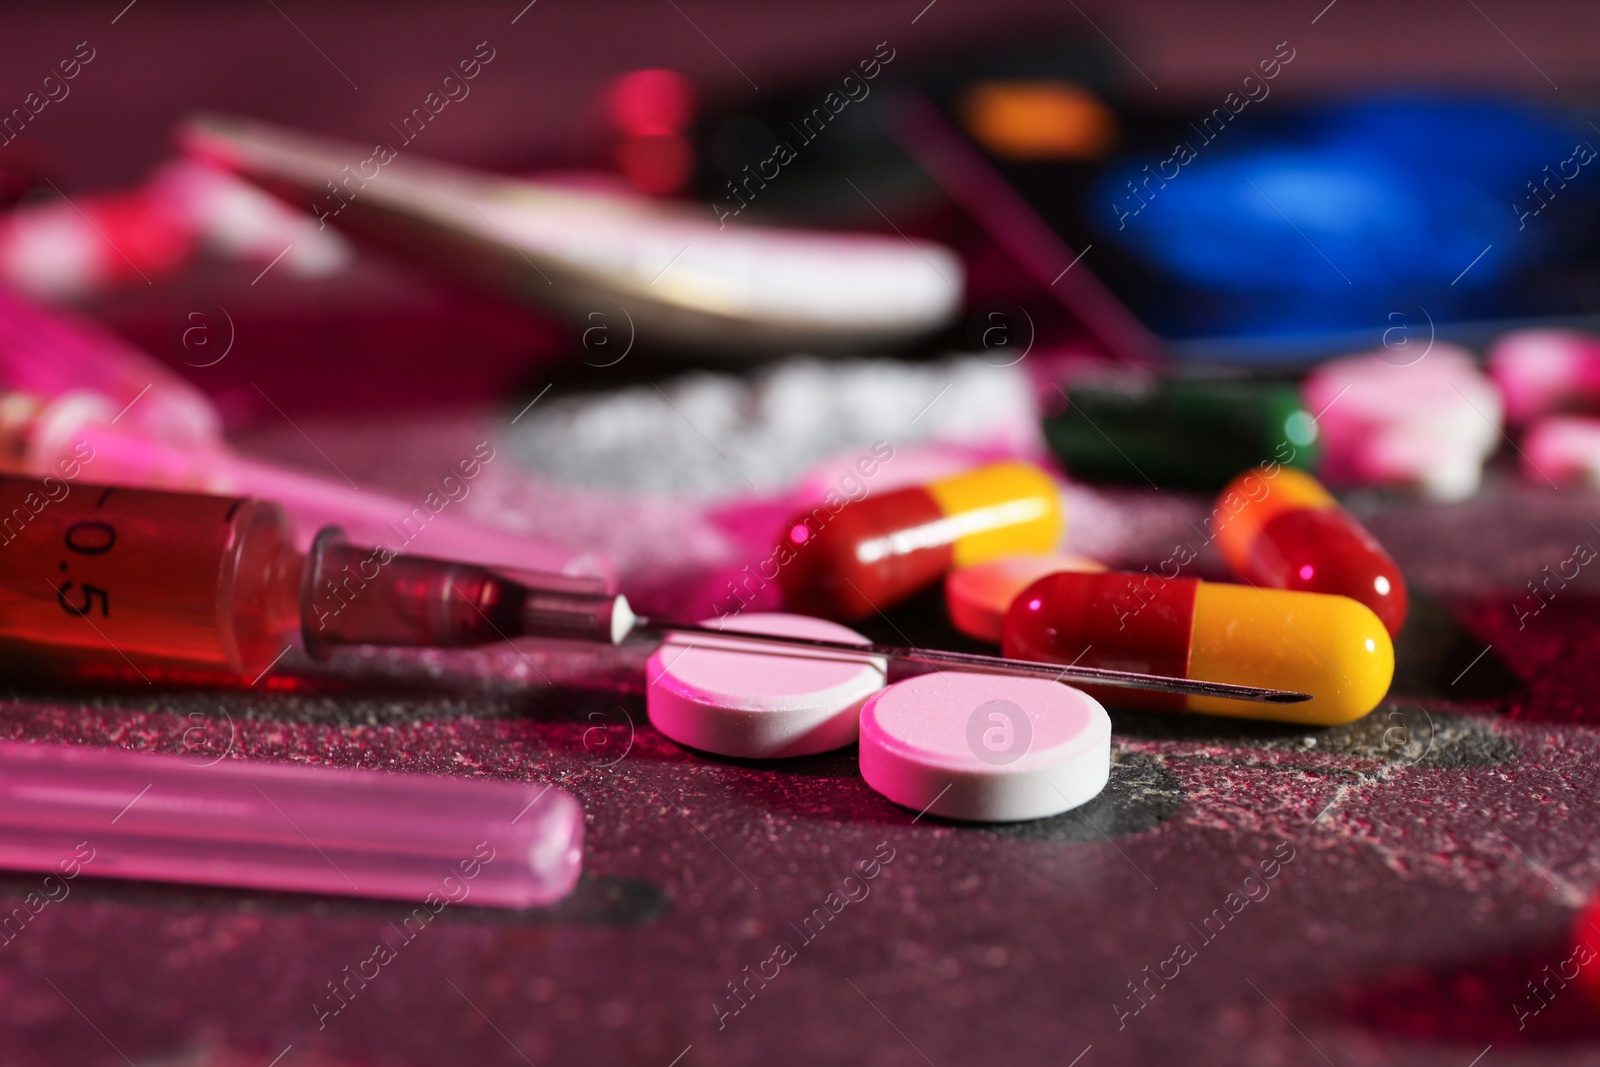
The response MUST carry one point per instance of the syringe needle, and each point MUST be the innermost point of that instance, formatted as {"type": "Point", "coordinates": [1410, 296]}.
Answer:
{"type": "Point", "coordinates": [528, 609]}
{"type": "Point", "coordinates": [968, 661]}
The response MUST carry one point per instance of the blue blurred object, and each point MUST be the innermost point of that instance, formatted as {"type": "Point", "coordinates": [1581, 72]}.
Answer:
{"type": "Point", "coordinates": [1322, 219]}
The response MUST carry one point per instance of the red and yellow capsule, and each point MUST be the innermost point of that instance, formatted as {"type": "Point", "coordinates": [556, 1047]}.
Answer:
{"type": "Point", "coordinates": [874, 552]}
{"type": "Point", "coordinates": [1328, 646]}
{"type": "Point", "coordinates": [1288, 532]}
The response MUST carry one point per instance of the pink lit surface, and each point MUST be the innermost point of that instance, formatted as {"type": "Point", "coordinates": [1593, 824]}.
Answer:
{"type": "Point", "coordinates": [253, 825]}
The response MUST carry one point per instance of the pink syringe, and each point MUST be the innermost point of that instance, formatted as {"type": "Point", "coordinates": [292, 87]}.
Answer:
{"type": "Point", "coordinates": [241, 823]}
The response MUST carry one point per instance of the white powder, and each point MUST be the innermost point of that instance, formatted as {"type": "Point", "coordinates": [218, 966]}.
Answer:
{"type": "Point", "coordinates": [711, 435]}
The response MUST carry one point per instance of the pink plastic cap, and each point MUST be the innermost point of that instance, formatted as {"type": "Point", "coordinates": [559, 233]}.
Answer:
{"type": "Point", "coordinates": [251, 825]}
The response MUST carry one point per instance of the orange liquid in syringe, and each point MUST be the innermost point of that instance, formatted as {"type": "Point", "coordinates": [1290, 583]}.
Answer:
{"type": "Point", "coordinates": [129, 577]}
{"type": "Point", "coordinates": [96, 577]}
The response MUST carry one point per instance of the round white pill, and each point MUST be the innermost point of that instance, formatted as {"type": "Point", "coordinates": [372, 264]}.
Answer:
{"type": "Point", "coordinates": [977, 597]}
{"type": "Point", "coordinates": [753, 700]}
{"type": "Point", "coordinates": [987, 748]}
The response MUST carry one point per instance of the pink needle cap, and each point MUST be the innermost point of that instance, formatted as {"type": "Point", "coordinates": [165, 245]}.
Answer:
{"type": "Point", "coordinates": [254, 825]}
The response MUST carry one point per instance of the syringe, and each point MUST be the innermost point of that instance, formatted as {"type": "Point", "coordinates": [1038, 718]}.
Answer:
{"type": "Point", "coordinates": [110, 576]}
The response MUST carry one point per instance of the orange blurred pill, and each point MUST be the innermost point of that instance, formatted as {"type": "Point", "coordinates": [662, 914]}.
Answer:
{"type": "Point", "coordinates": [977, 597]}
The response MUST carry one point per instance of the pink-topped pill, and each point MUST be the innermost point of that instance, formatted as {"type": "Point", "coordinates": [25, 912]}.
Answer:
{"type": "Point", "coordinates": [983, 747]}
{"type": "Point", "coordinates": [752, 700]}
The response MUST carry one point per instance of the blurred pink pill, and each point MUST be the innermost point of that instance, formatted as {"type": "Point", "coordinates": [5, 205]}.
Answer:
{"type": "Point", "coordinates": [1373, 409]}
{"type": "Point", "coordinates": [986, 748]}
{"type": "Point", "coordinates": [977, 597]}
{"type": "Point", "coordinates": [1545, 370]}
{"type": "Point", "coordinates": [753, 701]}
{"type": "Point", "coordinates": [1434, 467]}
{"type": "Point", "coordinates": [1443, 390]}
{"type": "Point", "coordinates": [289, 827]}
{"type": "Point", "coordinates": [1564, 449]}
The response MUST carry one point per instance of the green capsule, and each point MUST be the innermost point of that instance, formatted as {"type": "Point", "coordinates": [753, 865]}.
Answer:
{"type": "Point", "coordinates": [1180, 433]}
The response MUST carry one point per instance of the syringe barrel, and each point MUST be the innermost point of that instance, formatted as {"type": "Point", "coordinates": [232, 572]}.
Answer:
{"type": "Point", "coordinates": [232, 822]}
{"type": "Point", "coordinates": [135, 580]}
{"type": "Point", "coordinates": [139, 582]}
